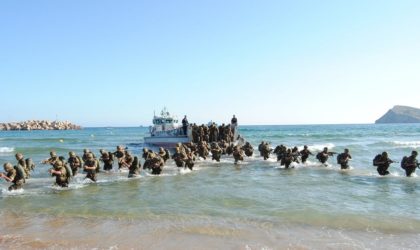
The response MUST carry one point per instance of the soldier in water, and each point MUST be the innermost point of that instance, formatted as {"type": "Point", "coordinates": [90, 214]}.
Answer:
{"type": "Point", "coordinates": [248, 149]}
{"type": "Point", "coordinates": [156, 163]}
{"type": "Point", "coordinates": [14, 175]}
{"type": "Point", "coordinates": [343, 159]}
{"type": "Point", "coordinates": [164, 154]}
{"type": "Point", "coordinates": [287, 158]}
{"type": "Point", "coordinates": [90, 167]}
{"type": "Point", "coordinates": [265, 150]}
{"type": "Point", "coordinates": [60, 173]}
{"type": "Point", "coordinates": [107, 158]}
{"type": "Point", "coordinates": [134, 169]}
{"type": "Point", "coordinates": [75, 162]}
{"type": "Point", "coordinates": [409, 164]}
{"type": "Point", "coordinates": [127, 160]}
{"type": "Point", "coordinates": [22, 164]}
{"type": "Point", "coordinates": [179, 157]}
{"type": "Point", "coordinates": [120, 153]}
{"type": "Point", "coordinates": [238, 154]}
{"type": "Point", "coordinates": [382, 162]}
{"type": "Point", "coordinates": [304, 154]}
{"type": "Point", "coordinates": [216, 151]}
{"type": "Point", "coordinates": [324, 155]}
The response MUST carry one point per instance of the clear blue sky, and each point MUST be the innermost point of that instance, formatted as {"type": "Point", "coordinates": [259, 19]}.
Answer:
{"type": "Point", "coordinates": [112, 63]}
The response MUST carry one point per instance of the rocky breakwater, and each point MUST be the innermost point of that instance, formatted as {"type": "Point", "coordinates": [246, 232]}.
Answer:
{"type": "Point", "coordinates": [39, 125]}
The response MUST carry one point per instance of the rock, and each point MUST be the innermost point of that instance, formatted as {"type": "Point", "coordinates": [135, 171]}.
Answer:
{"type": "Point", "coordinates": [401, 114]}
{"type": "Point", "coordinates": [39, 125]}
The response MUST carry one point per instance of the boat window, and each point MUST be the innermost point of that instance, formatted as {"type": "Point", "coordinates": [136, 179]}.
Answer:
{"type": "Point", "coordinates": [158, 121]}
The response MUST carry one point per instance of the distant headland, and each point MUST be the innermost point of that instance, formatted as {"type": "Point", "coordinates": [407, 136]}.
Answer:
{"type": "Point", "coordinates": [39, 125]}
{"type": "Point", "coordinates": [401, 114]}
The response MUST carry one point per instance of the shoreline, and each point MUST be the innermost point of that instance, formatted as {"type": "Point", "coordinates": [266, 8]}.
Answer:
{"type": "Point", "coordinates": [75, 232]}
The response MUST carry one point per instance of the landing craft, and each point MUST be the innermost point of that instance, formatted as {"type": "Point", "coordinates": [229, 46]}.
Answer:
{"type": "Point", "coordinates": [166, 131]}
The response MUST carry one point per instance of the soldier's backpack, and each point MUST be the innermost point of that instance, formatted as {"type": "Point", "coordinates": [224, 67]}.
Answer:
{"type": "Point", "coordinates": [376, 159]}
{"type": "Point", "coordinates": [69, 171]}
{"type": "Point", "coordinates": [111, 157]}
{"type": "Point", "coordinates": [80, 160]}
{"type": "Point", "coordinates": [404, 162]}
{"type": "Point", "coordinates": [339, 158]}
{"type": "Point", "coordinates": [318, 156]}
{"type": "Point", "coordinates": [20, 172]}
{"type": "Point", "coordinates": [30, 164]}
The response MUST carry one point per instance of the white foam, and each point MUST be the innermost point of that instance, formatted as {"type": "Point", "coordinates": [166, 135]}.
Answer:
{"type": "Point", "coordinates": [13, 192]}
{"type": "Point", "coordinates": [6, 150]}
{"type": "Point", "coordinates": [185, 171]}
{"type": "Point", "coordinates": [319, 147]}
{"type": "Point", "coordinates": [413, 175]}
{"type": "Point", "coordinates": [158, 175]}
{"type": "Point", "coordinates": [410, 144]}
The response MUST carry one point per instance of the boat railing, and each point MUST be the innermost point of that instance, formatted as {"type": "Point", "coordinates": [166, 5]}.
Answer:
{"type": "Point", "coordinates": [173, 132]}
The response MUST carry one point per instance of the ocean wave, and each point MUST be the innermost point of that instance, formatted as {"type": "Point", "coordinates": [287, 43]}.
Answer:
{"type": "Point", "coordinates": [411, 144]}
{"type": "Point", "coordinates": [12, 192]}
{"type": "Point", "coordinates": [6, 150]}
{"type": "Point", "coordinates": [319, 147]}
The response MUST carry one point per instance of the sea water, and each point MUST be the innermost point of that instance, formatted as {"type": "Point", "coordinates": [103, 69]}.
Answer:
{"type": "Point", "coordinates": [253, 205]}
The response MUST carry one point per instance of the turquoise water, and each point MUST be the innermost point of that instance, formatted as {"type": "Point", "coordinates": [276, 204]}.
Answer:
{"type": "Point", "coordinates": [256, 204]}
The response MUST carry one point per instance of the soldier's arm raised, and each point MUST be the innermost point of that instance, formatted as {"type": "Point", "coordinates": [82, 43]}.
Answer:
{"type": "Point", "coordinates": [2, 175]}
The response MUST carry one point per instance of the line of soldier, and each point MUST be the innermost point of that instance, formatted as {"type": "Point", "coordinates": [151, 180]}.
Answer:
{"type": "Point", "coordinates": [288, 155]}
{"type": "Point", "coordinates": [212, 133]}
{"type": "Point", "coordinates": [184, 156]}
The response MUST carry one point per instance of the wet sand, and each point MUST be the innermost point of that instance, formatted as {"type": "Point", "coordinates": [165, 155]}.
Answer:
{"type": "Point", "coordinates": [47, 232]}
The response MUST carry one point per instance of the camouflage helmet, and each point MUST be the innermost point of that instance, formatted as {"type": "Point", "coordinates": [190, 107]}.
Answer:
{"type": "Point", "coordinates": [53, 154]}
{"type": "Point", "coordinates": [7, 166]}
{"type": "Point", "coordinates": [19, 156]}
{"type": "Point", "coordinates": [72, 154]}
{"type": "Point", "coordinates": [86, 150]}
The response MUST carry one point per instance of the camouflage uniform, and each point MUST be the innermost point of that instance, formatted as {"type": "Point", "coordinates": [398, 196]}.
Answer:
{"type": "Point", "coordinates": [90, 167]}
{"type": "Point", "coordinates": [134, 169]}
{"type": "Point", "coordinates": [61, 178]}
{"type": "Point", "coordinates": [75, 162]}
{"type": "Point", "coordinates": [13, 175]}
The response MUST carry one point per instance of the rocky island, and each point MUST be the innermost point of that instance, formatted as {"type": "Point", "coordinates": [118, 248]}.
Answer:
{"type": "Point", "coordinates": [401, 114]}
{"type": "Point", "coordinates": [39, 125]}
